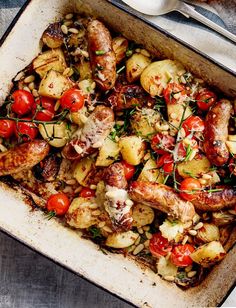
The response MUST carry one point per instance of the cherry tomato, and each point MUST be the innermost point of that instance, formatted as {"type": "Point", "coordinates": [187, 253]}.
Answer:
{"type": "Point", "coordinates": [22, 102]}
{"type": "Point", "coordinates": [232, 165]}
{"type": "Point", "coordinates": [183, 148]}
{"type": "Point", "coordinates": [161, 143]}
{"type": "Point", "coordinates": [128, 169]}
{"type": "Point", "coordinates": [205, 99]}
{"type": "Point", "coordinates": [190, 188]}
{"type": "Point", "coordinates": [43, 109]}
{"type": "Point", "coordinates": [7, 128]}
{"type": "Point", "coordinates": [58, 203]}
{"type": "Point", "coordinates": [26, 130]}
{"type": "Point", "coordinates": [193, 124]}
{"type": "Point", "coordinates": [72, 99]}
{"type": "Point", "coordinates": [159, 245]}
{"type": "Point", "coordinates": [180, 255]}
{"type": "Point", "coordinates": [87, 193]}
{"type": "Point", "coordinates": [166, 162]}
{"type": "Point", "coordinates": [170, 91]}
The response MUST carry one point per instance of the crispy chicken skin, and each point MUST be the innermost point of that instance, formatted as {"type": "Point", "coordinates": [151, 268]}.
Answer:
{"type": "Point", "coordinates": [102, 56]}
{"type": "Point", "coordinates": [23, 156]}
{"type": "Point", "coordinates": [216, 132]}
{"type": "Point", "coordinates": [163, 198]}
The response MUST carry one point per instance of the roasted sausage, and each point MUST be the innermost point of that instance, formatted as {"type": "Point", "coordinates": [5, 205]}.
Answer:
{"type": "Point", "coordinates": [117, 203]}
{"type": "Point", "coordinates": [102, 56]}
{"type": "Point", "coordinates": [215, 201]}
{"type": "Point", "coordinates": [163, 198]}
{"type": "Point", "coordinates": [23, 156]}
{"type": "Point", "coordinates": [216, 132]}
{"type": "Point", "coordinates": [92, 135]}
{"type": "Point", "coordinates": [129, 96]}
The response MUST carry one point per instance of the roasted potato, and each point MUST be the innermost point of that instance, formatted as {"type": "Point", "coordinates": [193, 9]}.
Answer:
{"type": "Point", "coordinates": [54, 85]}
{"type": "Point", "coordinates": [80, 215]}
{"type": "Point", "coordinates": [165, 268]}
{"type": "Point", "coordinates": [156, 75]}
{"type": "Point", "coordinates": [82, 169]}
{"type": "Point", "coordinates": [208, 254]}
{"type": "Point", "coordinates": [180, 111]}
{"type": "Point", "coordinates": [150, 173]}
{"type": "Point", "coordinates": [57, 135]}
{"type": "Point", "coordinates": [223, 218]}
{"type": "Point", "coordinates": [53, 36]}
{"type": "Point", "coordinates": [231, 146]}
{"type": "Point", "coordinates": [132, 149]}
{"type": "Point", "coordinates": [208, 233]}
{"type": "Point", "coordinates": [85, 71]}
{"type": "Point", "coordinates": [172, 230]}
{"type": "Point", "coordinates": [121, 240]}
{"type": "Point", "coordinates": [143, 122]}
{"type": "Point", "coordinates": [50, 60]}
{"type": "Point", "coordinates": [120, 45]}
{"type": "Point", "coordinates": [194, 167]}
{"type": "Point", "coordinates": [142, 215]}
{"type": "Point", "coordinates": [108, 153]}
{"type": "Point", "coordinates": [135, 66]}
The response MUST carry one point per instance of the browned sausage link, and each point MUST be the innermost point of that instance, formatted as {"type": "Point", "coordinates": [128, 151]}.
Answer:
{"type": "Point", "coordinates": [215, 201]}
{"type": "Point", "coordinates": [128, 96]}
{"type": "Point", "coordinates": [102, 56]}
{"type": "Point", "coordinates": [116, 207]}
{"type": "Point", "coordinates": [94, 132]}
{"type": "Point", "coordinates": [114, 175]}
{"type": "Point", "coordinates": [23, 156]}
{"type": "Point", "coordinates": [163, 198]}
{"type": "Point", "coordinates": [216, 132]}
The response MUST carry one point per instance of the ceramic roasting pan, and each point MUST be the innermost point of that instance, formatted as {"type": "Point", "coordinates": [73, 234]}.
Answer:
{"type": "Point", "coordinates": [119, 275]}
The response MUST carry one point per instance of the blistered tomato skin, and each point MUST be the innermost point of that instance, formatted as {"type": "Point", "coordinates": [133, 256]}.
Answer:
{"type": "Point", "coordinates": [72, 99]}
{"type": "Point", "coordinates": [58, 203]}
{"type": "Point", "coordinates": [193, 124]}
{"type": "Point", "coordinates": [43, 109]}
{"type": "Point", "coordinates": [161, 144]}
{"type": "Point", "coordinates": [7, 128]}
{"type": "Point", "coordinates": [180, 255]}
{"type": "Point", "coordinates": [23, 102]}
{"type": "Point", "coordinates": [26, 131]}
{"type": "Point", "coordinates": [87, 193]}
{"type": "Point", "coordinates": [171, 91]}
{"type": "Point", "coordinates": [205, 99]}
{"type": "Point", "coordinates": [190, 188]}
{"type": "Point", "coordinates": [159, 246]}
{"type": "Point", "coordinates": [128, 169]}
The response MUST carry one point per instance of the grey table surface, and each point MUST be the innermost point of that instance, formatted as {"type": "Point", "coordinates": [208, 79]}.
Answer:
{"type": "Point", "coordinates": [29, 280]}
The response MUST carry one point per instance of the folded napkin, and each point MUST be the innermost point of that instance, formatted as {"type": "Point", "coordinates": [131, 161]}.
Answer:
{"type": "Point", "coordinates": [199, 36]}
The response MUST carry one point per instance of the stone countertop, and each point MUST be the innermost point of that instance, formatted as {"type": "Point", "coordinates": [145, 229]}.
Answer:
{"type": "Point", "coordinates": [29, 280]}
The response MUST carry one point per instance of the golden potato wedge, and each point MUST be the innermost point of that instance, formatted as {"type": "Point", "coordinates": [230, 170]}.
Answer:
{"type": "Point", "coordinates": [82, 169]}
{"type": "Point", "coordinates": [50, 60]}
{"type": "Point", "coordinates": [194, 167]}
{"type": "Point", "coordinates": [156, 76]}
{"type": "Point", "coordinates": [108, 153]}
{"type": "Point", "coordinates": [57, 135]}
{"type": "Point", "coordinates": [120, 45]}
{"type": "Point", "coordinates": [165, 268]}
{"type": "Point", "coordinates": [180, 112]}
{"type": "Point", "coordinates": [208, 254]}
{"type": "Point", "coordinates": [142, 215]}
{"type": "Point", "coordinates": [143, 122]}
{"type": "Point", "coordinates": [132, 149]}
{"type": "Point", "coordinates": [54, 85]}
{"type": "Point", "coordinates": [121, 240]}
{"type": "Point", "coordinates": [53, 36]}
{"type": "Point", "coordinates": [135, 66]}
{"type": "Point", "coordinates": [231, 146]}
{"type": "Point", "coordinates": [150, 173]}
{"type": "Point", "coordinates": [208, 233]}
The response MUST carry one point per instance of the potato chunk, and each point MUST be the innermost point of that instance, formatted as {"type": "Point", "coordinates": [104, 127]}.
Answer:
{"type": "Point", "coordinates": [132, 149]}
{"type": "Point", "coordinates": [80, 215]}
{"type": "Point", "coordinates": [50, 60]}
{"type": "Point", "coordinates": [156, 75]}
{"type": "Point", "coordinates": [208, 254]}
{"type": "Point", "coordinates": [108, 153]}
{"type": "Point", "coordinates": [194, 167]}
{"type": "Point", "coordinates": [57, 135]}
{"type": "Point", "coordinates": [150, 173]}
{"type": "Point", "coordinates": [83, 169]}
{"type": "Point", "coordinates": [135, 66]}
{"type": "Point", "coordinates": [143, 122]}
{"type": "Point", "coordinates": [53, 36]}
{"type": "Point", "coordinates": [121, 240]}
{"type": "Point", "coordinates": [231, 146]}
{"type": "Point", "coordinates": [142, 215]}
{"type": "Point", "coordinates": [54, 85]}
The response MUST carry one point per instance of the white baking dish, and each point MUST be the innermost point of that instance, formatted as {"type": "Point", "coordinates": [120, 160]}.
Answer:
{"type": "Point", "coordinates": [115, 273]}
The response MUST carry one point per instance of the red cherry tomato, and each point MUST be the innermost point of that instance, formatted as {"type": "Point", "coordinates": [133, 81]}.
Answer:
{"type": "Point", "coordinates": [232, 165]}
{"type": "Point", "coordinates": [87, 193]}
{"type": "Point", "coordinates": [205, 99]}
{"type": "Point", "coordinates": [170, 91]}
{"type": "Point", "coordinates": [7, 128]}
{"type": "Point", "coordinates": [43, 109]}
{"type": "Point", "coordinates": [180, 255]}
{"type": "Point", "coordinates": [193, 124]}
{"type": "Point", "coordinates": [190, 188]}
{"type": "Point", "coordinates": [159, 245]}
{"type": "Point", "coordinates": [72, 99]}
{"type": "Point", "coordinates": [26, 130]}
{"type": "Point", "coordinates": [58, 203]}
{"type": "Point", "coordinates": [22, 102]}
{"type": "Point", "coordinates": [166, 162]}
{"type": "Point", "coordinates": [128, 169]}
{"type": "Point", "coordinates": [162, 143]}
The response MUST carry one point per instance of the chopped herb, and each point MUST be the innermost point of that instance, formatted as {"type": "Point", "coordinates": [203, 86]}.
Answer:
{"type": "Point", "coordinates": [189, 174]}
{"type": "Point", "coordinates": [50, 214]}
{"type": "Point", "coordinates": [120, 69]}
{"type": "Point", "coordinates": [188, 152]}
{"type": "Point", "coordinates": [95, 232]}
{"type": "Point", "coordinates": [100, 52]}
